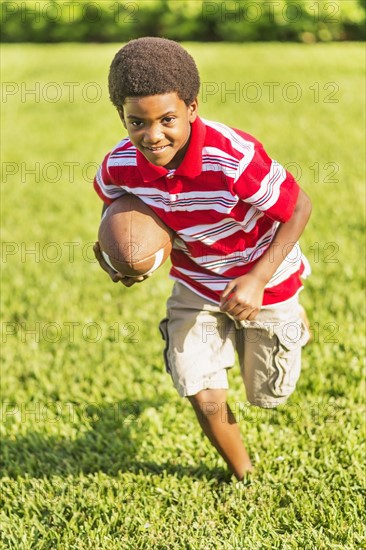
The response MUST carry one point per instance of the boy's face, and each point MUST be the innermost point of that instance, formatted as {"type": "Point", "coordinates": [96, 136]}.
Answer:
{"type": "Point", "coordinates": [159, 126]}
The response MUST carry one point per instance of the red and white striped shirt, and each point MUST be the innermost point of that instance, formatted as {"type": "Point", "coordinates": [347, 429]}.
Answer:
{"type": "Point", "coordinates": [225, 202]}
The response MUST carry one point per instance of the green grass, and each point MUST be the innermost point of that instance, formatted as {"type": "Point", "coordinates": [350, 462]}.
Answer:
{"type": "Point", "coordinates": [98, 449]}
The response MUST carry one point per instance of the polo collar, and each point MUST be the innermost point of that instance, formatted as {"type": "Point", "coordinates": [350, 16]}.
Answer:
{"type": "Point", "coordinates": [190, 166]}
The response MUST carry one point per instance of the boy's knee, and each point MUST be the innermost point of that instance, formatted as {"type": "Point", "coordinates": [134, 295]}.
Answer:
{"type": "Point", "coordinates": [208, 401]}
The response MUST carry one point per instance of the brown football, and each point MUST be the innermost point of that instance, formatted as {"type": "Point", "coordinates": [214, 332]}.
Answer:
{"type": "Point", "coordinates": [132, 238]}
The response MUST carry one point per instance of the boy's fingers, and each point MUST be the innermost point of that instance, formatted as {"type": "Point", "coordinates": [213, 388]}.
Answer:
{"type": "Point", "coordinates": [253, 314]}
{"type": "Point", "coordinates": [227, 293]}
{"type": "Point", "coordinates": [247, 314]}
{"type": "Point", "coordinates": [99, 256]}
{"type": "Point", "coordinates": [228, 303]}
{"type": "Point", "coordinates": [116, 276]}
{"type": "Point", "coordinates": [97, 252]}
{"type": "Point", "coordinates": [129, 281]}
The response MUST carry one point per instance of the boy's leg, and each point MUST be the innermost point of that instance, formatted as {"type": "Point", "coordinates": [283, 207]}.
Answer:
{"type": "Point", "coordinates": [200, 342]}
{"type": "Point", "coordinates": [218, 423]}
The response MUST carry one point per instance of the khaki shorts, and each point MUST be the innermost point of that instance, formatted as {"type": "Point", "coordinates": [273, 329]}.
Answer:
{"type": "Point", "coordinates": [201, 342]}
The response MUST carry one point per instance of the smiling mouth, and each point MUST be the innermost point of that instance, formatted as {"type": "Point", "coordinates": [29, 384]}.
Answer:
{"type": "Point", "coordinates": [157, 149]}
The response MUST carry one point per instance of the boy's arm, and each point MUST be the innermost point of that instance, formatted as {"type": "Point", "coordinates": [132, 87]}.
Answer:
{"type": "Point", "coordinates": [102, 182]}
{"type": "Point", "coordinates": [243, 296]}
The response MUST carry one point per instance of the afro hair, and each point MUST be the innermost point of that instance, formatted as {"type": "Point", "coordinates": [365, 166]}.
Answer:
{"type": "Point", "coordinates": [150, 66]}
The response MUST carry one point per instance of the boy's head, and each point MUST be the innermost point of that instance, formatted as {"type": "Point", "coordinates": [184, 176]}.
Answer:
{"type": "Point", "coordinates": [154, 83]}
{"type": "Point", "coordinates": [151, 66]}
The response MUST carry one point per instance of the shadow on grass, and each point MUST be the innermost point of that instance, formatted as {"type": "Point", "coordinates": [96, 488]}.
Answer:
{"type": "Point", "coordinates": [107, 442]}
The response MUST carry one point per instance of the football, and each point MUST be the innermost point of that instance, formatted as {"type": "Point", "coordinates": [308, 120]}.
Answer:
{"type": "Point", "coordinates": [132, 238]}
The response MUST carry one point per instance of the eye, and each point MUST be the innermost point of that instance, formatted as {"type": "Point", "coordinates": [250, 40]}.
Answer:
{"type": "Point", "coordinates": [136, 123]}
{"type": "Point", "coordinates": [168, 119]}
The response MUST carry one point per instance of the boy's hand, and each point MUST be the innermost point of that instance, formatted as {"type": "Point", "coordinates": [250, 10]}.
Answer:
{"type": "Point", "coordinates": [115, 275]}
{"type": "Point", "coordinates": [243, 297]}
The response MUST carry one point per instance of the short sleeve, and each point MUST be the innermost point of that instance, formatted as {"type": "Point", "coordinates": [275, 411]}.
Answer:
{"type": "Point", "coordinates": [104, 184]}
{"type": "Point", "coordinates": [266, 185]}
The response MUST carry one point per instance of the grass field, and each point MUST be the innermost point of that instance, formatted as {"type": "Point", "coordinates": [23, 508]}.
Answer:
{"type": "Point", "coordinates": [98, 450]}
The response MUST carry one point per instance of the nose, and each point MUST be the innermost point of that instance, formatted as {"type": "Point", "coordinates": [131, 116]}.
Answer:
{"type": "Point", "coordinates": [153, 134]}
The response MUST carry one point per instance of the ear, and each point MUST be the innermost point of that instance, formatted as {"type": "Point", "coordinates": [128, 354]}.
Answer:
{"type": "Point", "coordinates": [121, 116]}
{"type": "Point", "coordinates": [193, 110]}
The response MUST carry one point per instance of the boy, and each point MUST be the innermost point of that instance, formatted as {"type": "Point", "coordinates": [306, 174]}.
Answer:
{"type": "Point", "coordinates": [237, 215]}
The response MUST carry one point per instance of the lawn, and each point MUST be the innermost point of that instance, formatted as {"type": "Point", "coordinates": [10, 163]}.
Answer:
{"type": "Point", "coordinates": [98, 450]}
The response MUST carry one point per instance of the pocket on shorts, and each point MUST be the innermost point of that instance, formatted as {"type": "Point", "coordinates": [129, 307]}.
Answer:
{"type": "Point", "coordinates": [163, 327]}
{"type": "Point", "coordinates": [292, 334]}
{"type": "Point", "coordinates": [286, 358]}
